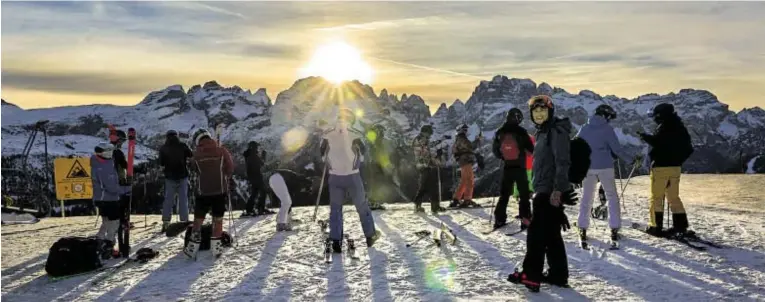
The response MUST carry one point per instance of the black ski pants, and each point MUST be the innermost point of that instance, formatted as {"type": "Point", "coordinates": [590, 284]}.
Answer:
{"type": "Point", "coordinates": [257, 192]}
{"type": "Point", "coordinates": [513, 176]}
{"type": "Point", "coordinates": [544, 240]}
{"type": "Point", "coordinates": [428, 188]}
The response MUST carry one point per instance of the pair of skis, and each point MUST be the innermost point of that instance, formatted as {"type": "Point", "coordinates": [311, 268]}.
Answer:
{"type": "Point", "coordinates": [350, 243]}
{"type": "Point", "coordinates": [688, 238]}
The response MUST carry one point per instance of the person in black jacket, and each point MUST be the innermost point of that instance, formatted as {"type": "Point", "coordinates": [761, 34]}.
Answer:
{"type": "Point", "coordinates": [670, 148]}
{"type": "Point", "coordinates": [174, 156]}
{"type": "Point", "coordinates": [254, 163]}
{"type": "Point", "coordinates": [117, 138]}
{"type": "Point", "coordinates": [511, 143]}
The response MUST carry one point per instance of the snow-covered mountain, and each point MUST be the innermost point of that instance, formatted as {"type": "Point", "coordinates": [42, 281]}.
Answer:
{"type": "Point", "coordinates": [725, 141]}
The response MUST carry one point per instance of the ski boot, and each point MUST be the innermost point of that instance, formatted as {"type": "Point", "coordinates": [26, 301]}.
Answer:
{"type": "Point", "coordinates": [248, 214]}
{"type": "Point", "coordinates": [281, 227]}
{"type": "Point", "coordinates": [371, 240]}
{"type": "Point", "coordinates": [518, 277]}
{"type": "Point", "coordinates": [419, 209]}
{"type": "Point", "coordinates": [499, 224]}
{"type": "Point", "coordinates": [337, 246]}
{"type": "Point", "coordinates": [454, 204]}
{"type": "Point", "coordinates": [437, 209]}
{"type": "Point", "coordinates": [546, 278]}
{"type": "Point", "coordinates": [615, 239]}
{"type": "Point", "coordinates": [165, 225]}
{"type": "Point", "coordinates": [583, 239]}
{"type": "Point", "coordinates": [216, 245]}
{"type": "Point", "coordinates": [107, 250]}
{"type": "Point", "coordinates": [266, 212]}
{"type": "Point", "coordinates": [525, 222]}
{"type": "Point", "coordinates": [469, 204]}
{"type": "Point", "coordinates": [658, 229]}
{"type": "Point", "coordinates": [193, 247]}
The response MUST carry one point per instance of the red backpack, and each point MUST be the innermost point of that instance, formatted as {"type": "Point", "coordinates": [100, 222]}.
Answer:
{"type": "Point", "coordinates": [509, 148]}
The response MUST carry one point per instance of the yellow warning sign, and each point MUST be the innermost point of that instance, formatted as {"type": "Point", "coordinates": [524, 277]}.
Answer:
{"type": "Point", "coordinates": [73, 178]}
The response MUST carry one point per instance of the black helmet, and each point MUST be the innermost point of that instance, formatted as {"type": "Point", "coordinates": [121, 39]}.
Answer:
{"type": "Point", "coordinates": [606, 111]}
{"type": "Point", "coordinates": [253, 145]}
{"type": "Point", "coordinates": [461, 129]}
{"type": "Point", "coordinates": [426, 129]}
{"type": "Point", "coordinates": [514, 116]}
{"type": "Point", "coordinates": [661, 111]}
{"type": "Point", "coordinates": [170, 133]}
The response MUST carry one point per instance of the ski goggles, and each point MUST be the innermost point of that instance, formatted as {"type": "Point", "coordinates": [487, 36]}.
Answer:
{"type": "Point", "coordinates": [540, 101]}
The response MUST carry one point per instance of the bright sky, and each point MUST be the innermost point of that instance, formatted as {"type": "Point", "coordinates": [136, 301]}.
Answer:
{"type": "Point", "coordinates": [69, 53]}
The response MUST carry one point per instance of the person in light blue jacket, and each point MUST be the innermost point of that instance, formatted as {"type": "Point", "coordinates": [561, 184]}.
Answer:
{"type": "Point", "coordinates": [106, 195]}
{"type": "Point", "coordinates": [604, 144]}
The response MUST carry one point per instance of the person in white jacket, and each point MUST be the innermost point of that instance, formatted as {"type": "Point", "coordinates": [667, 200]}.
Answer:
{"type": "Point", "coordinates": [343, 150]}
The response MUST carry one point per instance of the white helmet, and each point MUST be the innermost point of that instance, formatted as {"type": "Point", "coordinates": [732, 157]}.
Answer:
{"type": "Point", "coordinates": [105, 150]}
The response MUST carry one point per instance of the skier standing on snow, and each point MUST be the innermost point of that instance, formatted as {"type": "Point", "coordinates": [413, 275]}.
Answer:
{"type": "Point", "coordinates": [511, 145]}
{"type": "Point", "coordinates": [254, 163]}
{"type": "Point", "coordinates": [427, 168]}
{"type": "Point", "coordinates": [343, 150]}
{"type": "Point", "coordinates": [552, 188]}
{"type": "Point", "coordinates": [601, 138]}
{"type": "Point", "coordinates": [106, 196]}
{"type": "Point", "coordinates": [117, 138]}
{"type": "Point", "coordinates": [464, 154]}
{"type": "Point", "coordinates": [381, 169]}
{"type": "Point", "coordinates": [214, 167]}
{"type": "Point", "coordinates": [670, 148]}
{"type": "Point", "coordinates": [174, 156]}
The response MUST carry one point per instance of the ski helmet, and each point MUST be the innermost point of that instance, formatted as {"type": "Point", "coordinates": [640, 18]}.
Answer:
{"type": "Point", "coordinates": [104, 150]}
{"type": "Point", "coordinates": [541, 101]}
{"type": "Point", "coordinates": [426, 129]}
{"type": "Point", "coordinates": [200, 134]}
{"type": "Point", "coordinates": [514, 116]}
{"type": "Point", "coordinates": [171, 133]}
{"type": "Point", "coordinates": [606, 111]}
{"type": "Point", "coordinates": [661, 112]}
{"type": "Point", "coordinates": [118, 137]}
{"type": "Point", "coordinates": [462, 129]}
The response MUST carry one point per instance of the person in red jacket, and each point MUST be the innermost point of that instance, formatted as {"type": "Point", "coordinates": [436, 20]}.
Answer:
{"type": "Point", "coordinates": [215, 167]}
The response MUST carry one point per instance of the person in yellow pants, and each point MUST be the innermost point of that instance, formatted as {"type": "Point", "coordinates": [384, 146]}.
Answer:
{"type": "Point", "coordinates": [670, 147]}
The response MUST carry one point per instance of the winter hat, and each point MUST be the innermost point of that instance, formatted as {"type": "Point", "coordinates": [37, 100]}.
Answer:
{"type": "Point", "coordinates": [200, 134]}
{"type": "Point", "coordinates": [514, 116]}
{"type": "Point", "coordinates": [606, 111]}
{"type": "Point", "coordinates": [104, 150]}
{"type": "Point", "coordinates": [662, 110]}
{"type": "Point", "coordinates": [462, 129]}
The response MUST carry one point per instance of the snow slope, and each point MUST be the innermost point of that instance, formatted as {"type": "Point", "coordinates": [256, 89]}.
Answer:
{"type": "Point", "coordinates": [269, 266]}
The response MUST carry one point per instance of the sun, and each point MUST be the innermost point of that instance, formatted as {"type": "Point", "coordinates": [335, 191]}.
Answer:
{"type": "Point", "coordinates": [338, 62]}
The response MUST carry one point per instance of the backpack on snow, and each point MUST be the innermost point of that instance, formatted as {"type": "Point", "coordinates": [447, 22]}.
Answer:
{"type": "Point", "coordinates": [509, 148]}
{"type": "Point", "coordinates": [73, 255]}
{"type": "Point", "coordinates": [206, 233]}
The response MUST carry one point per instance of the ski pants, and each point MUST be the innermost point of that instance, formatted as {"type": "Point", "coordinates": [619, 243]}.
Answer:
{"type": "Point", "coordinates": [512, 176]}
{"type": "Point", "coordinates": [279, 187]}
{"type": "Point", "coordinates": [465, 190]}
{"type": "Point", "coordinates": [339, 185]}
{"type": "Point", "coordinates": [259, 192]}
{"type": "Point", "coordinates": [607, 181]}
{"type": "Point", "coordinates": [111, 213]}
{"type": "Point", "coordinates": [531, 186]}
{"type": "Point", "coordinates": [173, 187]}
{"type": "Point", "coordinates": [428, 188]}
{"type": "Point", "coordinates": [665, 181]}
{"type": "Point", "coordinates": [544, 240]}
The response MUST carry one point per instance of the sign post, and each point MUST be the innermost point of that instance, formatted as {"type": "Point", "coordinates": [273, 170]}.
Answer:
{"type": "Point", "coordinates": [72, 176]}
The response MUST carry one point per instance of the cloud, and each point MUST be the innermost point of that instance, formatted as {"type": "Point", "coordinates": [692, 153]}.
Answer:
{"type": "Point", "coordinates": [95, 83]}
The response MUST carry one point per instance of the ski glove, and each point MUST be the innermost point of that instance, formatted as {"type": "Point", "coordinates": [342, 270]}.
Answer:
{"type": "Point", "coordinates": [563, 219]}
{"type": "Point", "coordinates": [569, 197]}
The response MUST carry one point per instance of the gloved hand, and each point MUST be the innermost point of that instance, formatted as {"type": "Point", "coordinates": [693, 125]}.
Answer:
{"type": "Point", "coordinates": [565, 226]}
{"type": "Point", "coordinates": [569, 197]}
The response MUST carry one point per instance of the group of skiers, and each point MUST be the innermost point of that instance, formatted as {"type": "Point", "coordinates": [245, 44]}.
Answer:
{"type": "Point", "coordinates": [543, 184]}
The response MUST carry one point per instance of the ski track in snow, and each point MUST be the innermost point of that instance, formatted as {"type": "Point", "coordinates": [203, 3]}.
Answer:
{"type": "Point", "coordinates": [269, 266]}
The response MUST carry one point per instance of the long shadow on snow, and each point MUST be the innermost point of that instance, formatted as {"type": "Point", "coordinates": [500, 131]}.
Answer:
{"type": "Point", "coordinates": [44, 288]}
{"type": "Point", "coordinates": [378, 267]}
{"type": "Point", "coordinates": [415, 265]}
{"type": "Point", "coordinates": [255, 281]}
{"type": "Point", "coordinates": [337, 289]}
{"type": "Point", "coordinates": [32, 265]}
{"type": "Point", "coordinates": [491, 255]}
{"type": "Point", "coordinates": [606, 271]}
{"type": "Point", "coordinates": [191, 271]}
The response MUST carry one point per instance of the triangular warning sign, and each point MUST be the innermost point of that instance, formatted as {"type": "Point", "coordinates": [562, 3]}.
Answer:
{"type": "Point", "coordinates": [77, 171]}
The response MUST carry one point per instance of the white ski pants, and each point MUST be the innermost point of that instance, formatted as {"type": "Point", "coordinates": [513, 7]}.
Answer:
{"type": "Point", "coordinates": [606, 178]}
{"type": "Point", "coordinates": [279, 187]}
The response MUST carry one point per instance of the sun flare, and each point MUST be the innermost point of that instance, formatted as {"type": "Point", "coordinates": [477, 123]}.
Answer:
{"type": "Point", "coordinates": [338, 62]}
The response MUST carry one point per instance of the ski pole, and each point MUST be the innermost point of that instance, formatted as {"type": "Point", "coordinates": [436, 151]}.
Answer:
{"type": "Point", "coordinates": [621, 196]}
{"type": "Point", "coordinates": [629, 177]}
{"type": "Point", "coordinates": [231, 219]}
{"type": "Point", "coordinates": [321, 187]}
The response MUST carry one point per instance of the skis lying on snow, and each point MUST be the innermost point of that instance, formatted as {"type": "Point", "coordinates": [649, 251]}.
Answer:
{"type": "Point", "coordinates": [688, 238]}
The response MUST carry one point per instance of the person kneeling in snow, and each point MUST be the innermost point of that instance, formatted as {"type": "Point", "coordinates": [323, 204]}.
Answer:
{"type": "Point", "coordinates": [552, 188]}
{"type": "Point", "coordinates": [343, 153]}
{"type": "Point", "coordinates": [106, 196]}
{"type": "Point", "coordinates": [214, 167]}
{"type": "Point", "coordinates": [287, 185]}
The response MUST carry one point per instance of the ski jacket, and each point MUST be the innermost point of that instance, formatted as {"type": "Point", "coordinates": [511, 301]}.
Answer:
{"type": "Point", "coordinates": [173, 156]}
{"type": "Point", "coordinates": [422, 155]}
{"type": "Point", "coordinates": [601, 137]}
{"type": "Point", "coordinates": [120, 164]}
{"type": "Point", "coordinates": [551, 156]}
{"type": "Point", "coordinates": [105, 180]}
{"type": "Point", "coordinates": [670, 145]}
{"type": "Point", "coordinates": [215, 167]}
{"type": "Point", "coordinates": [463, 150]}
{"type": "Point", "coordinates": [254, 164]}
{"type": "Point", "coordinates": [523, 139]}
{"type": "Point", "coordinates": [344, 150]}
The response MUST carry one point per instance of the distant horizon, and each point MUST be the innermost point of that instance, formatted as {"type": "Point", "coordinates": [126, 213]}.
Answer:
{"type": "Point", "coordinates": [79, 53]}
